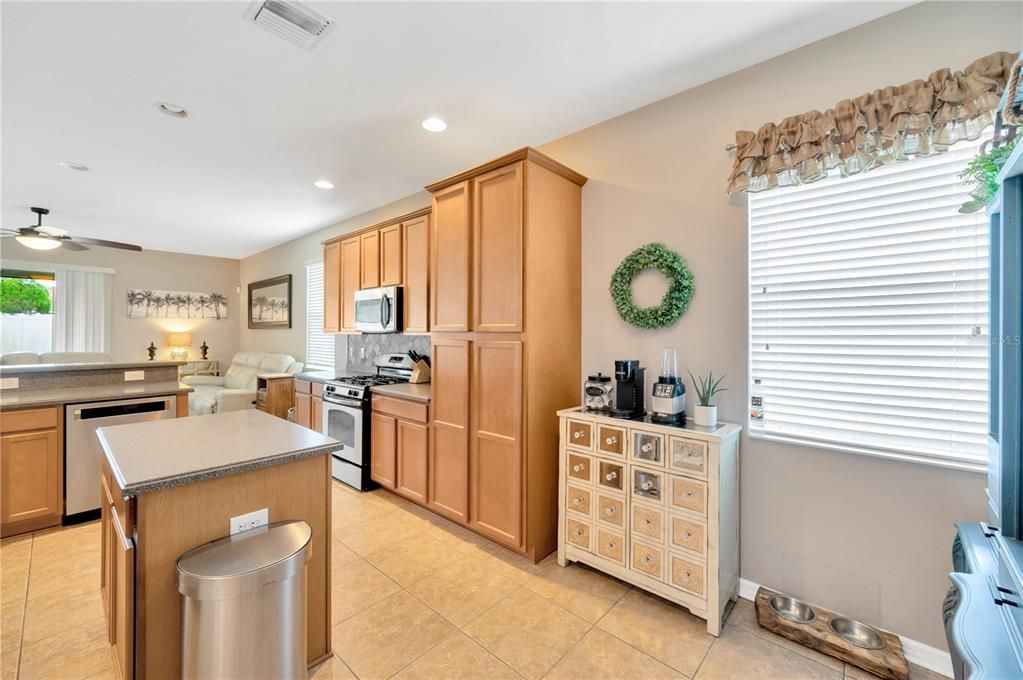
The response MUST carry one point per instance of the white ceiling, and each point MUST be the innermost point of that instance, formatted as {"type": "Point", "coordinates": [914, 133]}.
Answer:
{"type": "Point", "coordinates": [80, 79]}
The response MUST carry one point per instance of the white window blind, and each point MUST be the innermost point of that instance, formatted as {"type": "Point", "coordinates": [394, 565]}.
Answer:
{"type": "Point", "coordinates": [868, 313]}
{"type": "Point", "coordinates": [319, 346]}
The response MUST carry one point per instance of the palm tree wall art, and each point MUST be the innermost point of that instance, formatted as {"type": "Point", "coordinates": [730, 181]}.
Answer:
{"type": "Point", "coordinates": [145, 303]}
{"type": "Point", "coordinates": [270, 303]}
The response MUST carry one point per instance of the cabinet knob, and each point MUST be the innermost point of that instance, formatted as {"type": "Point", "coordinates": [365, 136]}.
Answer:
{"type": "Point", "coordinates": [577, 500]}
{"type": "Point", "coordinates": [609, 511]}
{"type": "Point", "coordinates": [578, 467]}
{"type": "Point", "coordinates": [611, 476]}
{"type": "Point", "coordinates": [646, 559]}
{"type": "Point", "coordinates": [578, 532]}
{"type": "Point", "coordinates": [687, 535]}
{"type": "Point", "coordinates": [686, 576]}
{"type": "Point", "coordinates": [647, 485]}
{"type": "Point", "coordinates": [647, 448]}
{"type": "Point", "coordinates": [687, 494]}
{"type": "Point", "coordinates": [611, 441]}
{"type": "Point", "coordinates": [646, 522]}
{"type": "Point", "coordinates": [578, 434]}
{"type": "Point", "coordinates": [610, 546]}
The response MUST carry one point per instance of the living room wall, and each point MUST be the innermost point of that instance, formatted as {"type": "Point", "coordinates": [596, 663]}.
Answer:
{"type": "Point", "coordinates": [865, 536]}
{"type": "Point", "coordinates": [154, 270]}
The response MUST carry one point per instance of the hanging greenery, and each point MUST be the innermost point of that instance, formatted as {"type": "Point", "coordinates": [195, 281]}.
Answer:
{"type": "Point", "coordinates": [982, 173]}
{"type": "Point", "coordinates": [675, 301]}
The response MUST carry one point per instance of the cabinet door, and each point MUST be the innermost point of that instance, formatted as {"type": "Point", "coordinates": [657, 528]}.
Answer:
{"type": "Point", "coordinates": [351, 279]}
{"type": "Point", "coordinates": [448, 469]}
{"type": "Point", "coordinates": [390, 255]}
{"type": "Point", "coordinates": [31, 465]}
{"type": "Point", "coordinates": [332, 287]}
{"type": "Point", "coordinates": [122, 601]}
{"type": "Point", "coordinates": [497, 250]}
{"type": "Point", "coordinates": [413, 447]}
{"type": "Point", "coordinates": [495, 483]}
{"type": "Point", "coordinates": [384, 453]}
{"type": "Point", "coordinates": [416, 258]}
{"type": "Point", "coordinates": [369, 246]}
{"type": "Point", "coordinates": [303, 409]}
{"type": "Point", "coordinates": [450, 255]}
{"type": "Point", "coordinates": [316, 413]}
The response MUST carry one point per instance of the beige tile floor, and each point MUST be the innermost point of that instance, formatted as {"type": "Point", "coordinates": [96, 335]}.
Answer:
{"type": "Point", "coordinates": [417, 597]}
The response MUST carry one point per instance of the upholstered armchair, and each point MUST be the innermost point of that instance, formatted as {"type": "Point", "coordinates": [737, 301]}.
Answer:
{"type": "Point", "coordinates": [236, 389]}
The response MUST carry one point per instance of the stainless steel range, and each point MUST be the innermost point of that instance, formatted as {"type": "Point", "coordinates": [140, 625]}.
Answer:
{"type": "Point", "coordinates": [346, 411]}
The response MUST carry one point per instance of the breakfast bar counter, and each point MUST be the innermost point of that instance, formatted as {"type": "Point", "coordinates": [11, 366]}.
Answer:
{"type": "Point", "coordinates": [172, 485]}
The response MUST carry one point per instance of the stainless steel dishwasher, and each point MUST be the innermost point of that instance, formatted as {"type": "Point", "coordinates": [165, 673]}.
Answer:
{"type": "Point", "coordinates": [82, 450]}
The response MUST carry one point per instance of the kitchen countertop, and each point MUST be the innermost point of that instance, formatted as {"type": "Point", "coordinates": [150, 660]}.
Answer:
{"type": "Point", "coordinates": [60, 368]}
{"type": "Point", "coordinates": [160, 454]}
{"type": "Point", "coordinates": [73, 395]}
{"type": "Point", "coordinates": [420, 392]}
{"type": "Point", "coordinates": [315, 376]}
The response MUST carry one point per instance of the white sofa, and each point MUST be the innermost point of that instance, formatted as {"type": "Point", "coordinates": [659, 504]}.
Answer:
{"type": "Point", "coordinates": [236, 389]}
{"type": "Point", "coordinates": [29, 358]}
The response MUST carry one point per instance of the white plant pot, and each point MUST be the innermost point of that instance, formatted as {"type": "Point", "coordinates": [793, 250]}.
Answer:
{"type": "Point", "coordinates": [707, 416]}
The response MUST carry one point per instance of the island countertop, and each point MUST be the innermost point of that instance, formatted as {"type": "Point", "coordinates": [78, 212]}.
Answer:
{"type": "Point", "coordinates": [164, 453]}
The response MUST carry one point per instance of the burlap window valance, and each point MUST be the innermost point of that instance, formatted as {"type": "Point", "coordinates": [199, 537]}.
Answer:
{"type": "Point", "coordinates": [920, 118]}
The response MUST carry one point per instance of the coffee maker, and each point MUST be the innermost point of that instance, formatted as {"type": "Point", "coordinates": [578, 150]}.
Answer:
{"type": "Point", "coordinates": [669, 393]}
{"type": "Point", "coordinates": [629, 389]}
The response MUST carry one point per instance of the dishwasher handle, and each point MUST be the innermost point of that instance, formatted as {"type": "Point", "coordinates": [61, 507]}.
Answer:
{"type": "Point", "coordinates": [120, 409]}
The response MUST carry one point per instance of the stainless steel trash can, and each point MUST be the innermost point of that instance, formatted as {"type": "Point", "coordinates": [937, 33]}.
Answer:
{"type": "Point", "coordinates": [244, 608]}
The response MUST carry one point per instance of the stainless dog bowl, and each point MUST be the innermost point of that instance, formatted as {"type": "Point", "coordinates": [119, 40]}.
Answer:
{"type": "Point", "coordinates": [859, 634]}
{"type": "Point", "coordinates": [792, 609]}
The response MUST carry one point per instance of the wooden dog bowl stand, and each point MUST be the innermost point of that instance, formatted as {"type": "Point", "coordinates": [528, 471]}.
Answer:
{"type": "Point", "coordinates": [889, 662]}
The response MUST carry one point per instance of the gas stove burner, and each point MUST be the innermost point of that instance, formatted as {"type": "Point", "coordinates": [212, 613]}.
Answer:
{"type": "Point", "coordinates": [370, 380]}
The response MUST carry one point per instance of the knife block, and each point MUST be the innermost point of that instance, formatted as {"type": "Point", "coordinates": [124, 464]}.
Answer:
{"type": "Point", "coordinates": [420, 372]}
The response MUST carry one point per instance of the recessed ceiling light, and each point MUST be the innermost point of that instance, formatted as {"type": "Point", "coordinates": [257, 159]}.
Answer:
{"type": "Point", "coordinates": [71, 165]}
{"type": "Point", "coordinates": [323, 184]}
{"type": "Point", "coordinates": [172, 109]}
{"type": "Point", "coordinates": [435, 125]}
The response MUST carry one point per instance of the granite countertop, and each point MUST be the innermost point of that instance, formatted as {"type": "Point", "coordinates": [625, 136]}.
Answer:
{"type": "Point", "coordinates": [160, 454]}
{"type": "Point", "coordinates": [420, 392]}
{"type": "Point", "coordinates": [63, 368]}
{"type": "Point", "coordinates": [315, 376]}
{"type": "Point", "coordinates": [74, 395]}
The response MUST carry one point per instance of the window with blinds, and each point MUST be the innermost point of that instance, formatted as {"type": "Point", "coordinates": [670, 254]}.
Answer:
{"type": "Point", "coordinates": [869, 313]}
{"type": "Point", "coordinates": [319, 346]}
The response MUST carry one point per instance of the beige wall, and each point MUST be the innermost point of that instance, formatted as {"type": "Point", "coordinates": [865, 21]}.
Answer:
{"type": "Point", "coordinates": [865, 536]}
{"type": "Point", "coordinates": [154, 269]}
{"type": "Point", "coordinates": [291, 258]}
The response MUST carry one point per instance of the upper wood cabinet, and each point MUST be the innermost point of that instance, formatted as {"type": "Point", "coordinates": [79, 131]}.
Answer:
{"type": "Point", "coordinates": [369, 248]}
{"type": "Point", "coordinates": [390, 256]}
{"type": "Point", "coordinates": [332, 287]}
{"type": "Point", "coordinates": [497, 250]}
{"type": "Point", "coordinates": [31, 470]}
{"type": "Point", "coordinates": [416, 274]}
{"type": "Point", "coordinates": [351, 278]}
{"type": "Point", "coordinates": [450, 257]}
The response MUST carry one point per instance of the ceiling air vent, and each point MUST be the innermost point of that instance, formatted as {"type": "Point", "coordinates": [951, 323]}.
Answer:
{"type": "Point", "coordinates": [292, 21]}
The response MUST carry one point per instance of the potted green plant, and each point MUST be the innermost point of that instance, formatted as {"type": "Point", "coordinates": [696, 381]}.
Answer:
{"type": "Point", "coordinates": [705, 412]}
{"type": "Point", "coordinates": [982, 173]}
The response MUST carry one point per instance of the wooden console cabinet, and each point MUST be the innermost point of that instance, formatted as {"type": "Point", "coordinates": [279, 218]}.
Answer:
{"type": "Point", "coordinates": [505, 314]}
{"type": "Point", "coordinates": [31, 469]}
{"type": "Point", "coordinates": [653, 505]}
{"type": "Point", "coordinates": [275, 393]}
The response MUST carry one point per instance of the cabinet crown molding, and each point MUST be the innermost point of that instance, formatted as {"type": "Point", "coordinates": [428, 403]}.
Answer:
{"type": "Point", "coordinates": [525, 153]}
{"type": "Point", "coordinates": [379, 225]}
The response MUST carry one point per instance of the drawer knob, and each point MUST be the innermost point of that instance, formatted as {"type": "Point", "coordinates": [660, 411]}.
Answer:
{"type": "Point", "coordinates": [647, 485]}
{"type": "Point", "coordinates": [578, 467]}
{"type": "Point", "coordinates": [609, 511]}
{"type": "Point", "coordinates": [646, 522]}
{"type": "Point", "coordinates": [687, 535]}
{"type": "Point", "coordinates": [611, 441]}
{"type": "Point", "coordinates": [646, 559]}
{"type": "Point", "coordinates": [578, 532]}
{"type": "Point", "coordinates": [610, 546]}
{"type": "Point", "coordinates": [647, 448]}
{"type": "Point", "coordinates": [686, 576]}
{"type": "Point", "coordinates": [687, 494]}
{"type": "Point", "coordinates": [611, 476]}
{"type": "Point", "coordinates": [578, 434]}
{"type": "Point", "coordinates": [577, 500]}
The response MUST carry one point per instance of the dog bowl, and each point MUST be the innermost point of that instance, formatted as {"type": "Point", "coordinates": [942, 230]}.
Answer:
{"type": "Point", "coordinates": [856, 633]}
{"type": "Point", "coordinates": [792, 609]}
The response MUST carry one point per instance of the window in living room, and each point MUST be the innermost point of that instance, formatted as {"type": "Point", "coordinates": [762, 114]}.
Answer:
{"type": "Point", "coordinates": [319, 346]}
{"type": "Point", "coordinates": [869, 313]}
{"type": "Point", "coordinates": [26, 306]}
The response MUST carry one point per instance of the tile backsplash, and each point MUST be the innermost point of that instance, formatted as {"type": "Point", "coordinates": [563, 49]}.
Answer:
{"type": "Point", "coordinates": [363, 348]}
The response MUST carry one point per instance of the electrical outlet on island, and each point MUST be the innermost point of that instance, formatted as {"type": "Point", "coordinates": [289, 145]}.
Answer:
{"type": "Point", "coordinates": [134, 375]}
{"type": "Point", "coordinates": [250, 520]}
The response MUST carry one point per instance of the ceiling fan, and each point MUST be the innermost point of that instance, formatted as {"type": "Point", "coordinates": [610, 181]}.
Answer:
{"type": "Point", "coordinates": [40, 236]}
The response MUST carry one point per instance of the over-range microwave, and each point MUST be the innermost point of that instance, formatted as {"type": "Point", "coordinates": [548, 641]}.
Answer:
{"type": "Point", "coordinates": [378, 310]}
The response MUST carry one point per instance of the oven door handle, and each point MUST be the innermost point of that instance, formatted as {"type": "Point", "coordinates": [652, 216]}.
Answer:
{"type": "Point", "coordinates": [343, 402]}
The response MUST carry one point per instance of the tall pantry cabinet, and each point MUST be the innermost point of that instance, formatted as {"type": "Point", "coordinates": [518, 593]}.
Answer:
{"type": "Point", "coordinates": [505, 307]}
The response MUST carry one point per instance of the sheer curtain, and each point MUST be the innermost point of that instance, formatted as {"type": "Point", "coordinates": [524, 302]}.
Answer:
{"type": "Point", "coordinates": [81, 319]}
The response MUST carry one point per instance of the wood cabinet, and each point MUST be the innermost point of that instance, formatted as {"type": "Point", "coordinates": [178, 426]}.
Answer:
{"type": "Point", "coordinates": [117, 576]}
{"type": "Point", "coordinates": [309, 404]}
{"type": "Point", "coordinates": [369, 258]}
{"type": "Point", "coordinates": [401, 446]}
{"type": "Point", "coordinates": [332, 287]}
{"type": "Point", "coordinates": [275, 393]}
{"type": "Point", "coordinates": [450, 259]}
{"type": "Point", "coordinates": [31, 469]}
{"type": "Point", "coordinates": [351, 280]}
{"type": "Point", "coordinates": [384, 460]}
{"type": "Point", "coordinates": [505, 258]}
{"type": "Point", "coordinates": [390, 255]}
{"type": "Point", "coordinates": [415, 276]}
{"type": "Point", "coordinates": [680, 506]}
{"type": "Point", "coordinates": [316, 408]}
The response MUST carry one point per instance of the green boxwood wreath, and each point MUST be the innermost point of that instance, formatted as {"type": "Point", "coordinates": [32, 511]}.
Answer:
{"type": "Point", "coordinates": [675, 301]}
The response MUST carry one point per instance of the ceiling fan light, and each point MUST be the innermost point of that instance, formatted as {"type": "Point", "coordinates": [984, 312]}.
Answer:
{"type": "Point", "coordinates": [38, 242]}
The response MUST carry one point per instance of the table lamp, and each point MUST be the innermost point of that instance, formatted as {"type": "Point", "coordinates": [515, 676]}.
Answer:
{"type": "Point", "coordinates": [179, 344]}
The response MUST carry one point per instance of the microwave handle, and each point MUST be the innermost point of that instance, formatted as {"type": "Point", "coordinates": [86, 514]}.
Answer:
{"type": "Point", "coordinates": [385, 311]}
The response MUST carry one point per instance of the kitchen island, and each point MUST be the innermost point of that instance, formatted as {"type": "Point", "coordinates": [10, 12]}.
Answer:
{"type": "Point", "coordinates": [172, 485]}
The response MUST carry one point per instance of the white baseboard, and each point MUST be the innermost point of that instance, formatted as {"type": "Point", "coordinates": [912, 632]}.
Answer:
{"type": "Point", "coordinates": [925, 656]}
